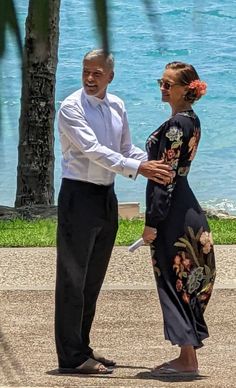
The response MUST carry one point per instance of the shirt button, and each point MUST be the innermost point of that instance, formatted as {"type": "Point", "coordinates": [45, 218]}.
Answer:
{"type": "Point", "coordinates": [130, 176]}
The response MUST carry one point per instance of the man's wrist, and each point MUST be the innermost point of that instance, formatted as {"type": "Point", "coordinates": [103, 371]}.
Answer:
{"type": "Point", "coordinates": [131, 168]}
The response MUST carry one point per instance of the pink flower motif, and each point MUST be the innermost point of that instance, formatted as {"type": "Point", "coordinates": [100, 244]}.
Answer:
{"type": "Point", "coordinates": [187, 263]}
{"type": "Point", "coordinates": [177, 259]}
{"type": "Point", "coordinates": [207, 248]}
{"type": "Point", "coordinates": [170, 154]}
{"type": "Point", "coordinates": [206, 238]}
{"type": "Point", "coordinates": [199, 86]}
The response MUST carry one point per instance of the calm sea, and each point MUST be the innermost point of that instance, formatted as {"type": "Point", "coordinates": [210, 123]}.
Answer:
{"type": "Point", "coordinates": [201, 32]}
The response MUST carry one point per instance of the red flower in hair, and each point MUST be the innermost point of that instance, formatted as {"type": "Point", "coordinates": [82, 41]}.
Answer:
{"type": "Point", "coordinates": [199, 86]}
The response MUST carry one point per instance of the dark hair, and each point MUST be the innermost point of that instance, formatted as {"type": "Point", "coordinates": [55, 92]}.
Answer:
{"type": "Point", "coordinates": [186, 74]}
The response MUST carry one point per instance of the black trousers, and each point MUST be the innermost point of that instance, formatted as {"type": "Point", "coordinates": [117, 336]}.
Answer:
{"type": "Point", "coordinates": [87, 226]}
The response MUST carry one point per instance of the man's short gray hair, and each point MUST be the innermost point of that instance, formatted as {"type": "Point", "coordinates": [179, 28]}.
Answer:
{"type": "Point", "coordinates": [99, 53]}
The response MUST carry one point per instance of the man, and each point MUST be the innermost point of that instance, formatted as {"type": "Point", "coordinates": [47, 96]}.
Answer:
{"type": "Point", "coordinates": [96, 145]}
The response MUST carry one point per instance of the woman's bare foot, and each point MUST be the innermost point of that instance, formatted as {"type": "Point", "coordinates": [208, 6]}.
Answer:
{"type": "Point", "coordinates": [182, 365]}
{"type": "Point", "coordinates": [186, 362]}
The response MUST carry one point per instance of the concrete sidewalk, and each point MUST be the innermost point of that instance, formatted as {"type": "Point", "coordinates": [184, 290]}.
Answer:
{"type": "Point", "coordinates": [128, 324]}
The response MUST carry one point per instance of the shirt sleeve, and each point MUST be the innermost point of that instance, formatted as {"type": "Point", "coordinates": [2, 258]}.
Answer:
{"type": "Point", "coordinates": [174, 147]}
{"type": "Point", "coordinates": [74, 126]}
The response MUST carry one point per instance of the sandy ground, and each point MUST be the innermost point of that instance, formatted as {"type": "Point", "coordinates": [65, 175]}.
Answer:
{"type": "Point", "coordinates": [128, 324]}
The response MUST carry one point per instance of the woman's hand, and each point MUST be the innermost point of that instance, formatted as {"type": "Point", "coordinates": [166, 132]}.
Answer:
{"type": "Point", "coordinates": [149, 234]}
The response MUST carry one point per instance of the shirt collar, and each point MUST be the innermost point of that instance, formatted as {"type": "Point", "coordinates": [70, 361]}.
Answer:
{"type": "Point", "coordinates": [95, 101]}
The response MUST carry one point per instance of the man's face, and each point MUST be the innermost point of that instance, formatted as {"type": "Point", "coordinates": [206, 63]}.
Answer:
{"type": "Point", "coordinates": [96, 76]}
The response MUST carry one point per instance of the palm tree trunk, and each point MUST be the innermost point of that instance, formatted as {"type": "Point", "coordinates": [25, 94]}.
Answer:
{"type": "Point", "coordinates": [35, 171]}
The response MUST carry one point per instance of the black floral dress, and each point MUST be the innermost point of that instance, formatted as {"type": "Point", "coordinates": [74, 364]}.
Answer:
{"type": "Point", "coordinates": [182, 254]}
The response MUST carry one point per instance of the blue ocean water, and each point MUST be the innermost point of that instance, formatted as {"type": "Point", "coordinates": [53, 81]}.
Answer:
{"type": "Point", "coordinates": [199, 32]}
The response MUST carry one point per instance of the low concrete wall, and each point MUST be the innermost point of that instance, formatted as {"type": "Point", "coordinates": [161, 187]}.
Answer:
{"type": "Point", "coordinates": [129, 210]}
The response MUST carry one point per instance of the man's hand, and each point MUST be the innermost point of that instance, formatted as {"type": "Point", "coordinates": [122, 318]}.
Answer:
{"type": "Point", "coordinates": [157, 171]}
{"type": "Point", "coordinates": [149, 234]}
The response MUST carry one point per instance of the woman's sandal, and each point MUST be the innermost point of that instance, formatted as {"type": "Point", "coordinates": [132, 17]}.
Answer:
{"type": "Point", "coordinates": [90, 366]}
{"type": "Point", "coordinates": [167, 370]}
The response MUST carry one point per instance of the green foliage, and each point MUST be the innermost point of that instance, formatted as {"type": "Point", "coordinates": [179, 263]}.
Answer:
{"type": "Point", "coordinates": [223, 231]}
{"type": "Point", "coordinates": [42, 233]}
{"type": "Point", "coordinates": [129, 231]}
{"type": "Point", "coordinates": [19, 233]}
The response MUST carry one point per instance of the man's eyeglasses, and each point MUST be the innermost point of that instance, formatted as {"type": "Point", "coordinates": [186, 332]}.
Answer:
{"type": "Point", "coordinates": [165, 84]}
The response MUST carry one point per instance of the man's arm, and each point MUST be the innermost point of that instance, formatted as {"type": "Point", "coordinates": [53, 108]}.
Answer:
{"type": "Point", "coordinates": [73, 125]}
{"type": "Point", "coordinates": [155, 169]}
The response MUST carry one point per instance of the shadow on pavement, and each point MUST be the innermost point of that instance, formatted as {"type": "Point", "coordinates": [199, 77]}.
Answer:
{"type": "Point", "coordinates": [171, 379]}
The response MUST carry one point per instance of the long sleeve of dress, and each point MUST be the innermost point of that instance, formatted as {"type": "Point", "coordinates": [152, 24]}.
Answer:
{"type": "Point", "coordinates": [175, 143]}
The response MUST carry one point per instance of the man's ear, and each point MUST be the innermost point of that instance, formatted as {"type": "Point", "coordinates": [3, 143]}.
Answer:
{"type": "Point", "coordinates": [111, 76]}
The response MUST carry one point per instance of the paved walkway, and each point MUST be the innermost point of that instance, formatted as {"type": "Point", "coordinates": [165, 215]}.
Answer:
{"type": "Point", "coordinates": [128, 324]}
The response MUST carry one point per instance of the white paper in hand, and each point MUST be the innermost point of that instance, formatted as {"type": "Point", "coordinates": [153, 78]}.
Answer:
{"type": "Point", "coordinates": [137, 244]}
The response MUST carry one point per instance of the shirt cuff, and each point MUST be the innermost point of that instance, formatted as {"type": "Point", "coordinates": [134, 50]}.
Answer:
{"type": "Point", "coordinates": [131, 168]}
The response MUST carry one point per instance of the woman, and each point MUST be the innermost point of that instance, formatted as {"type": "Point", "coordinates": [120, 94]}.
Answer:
{"type": "Point", "coordinates": [181, 243]}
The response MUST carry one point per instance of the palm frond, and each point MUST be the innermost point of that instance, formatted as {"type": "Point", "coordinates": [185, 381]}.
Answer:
{"type": "Point", "coordinates": [101, 15]}
{"type": "Point", "coordinates": [8, 19]}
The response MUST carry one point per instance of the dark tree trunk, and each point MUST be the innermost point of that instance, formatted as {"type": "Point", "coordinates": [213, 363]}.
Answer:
{"type": "Point", "coordinates": [35, 171]}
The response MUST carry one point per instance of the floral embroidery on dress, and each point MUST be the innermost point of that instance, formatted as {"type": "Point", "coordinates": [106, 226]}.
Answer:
{"type": "Point", "coordinates": [183, 171]}
{"type": "Point", "coordinates": [153, 138]}
{"type": "Point", "coordinates": [174, 133]}
{"type": "Point", "coordinates": [193, 143]}
{"type": "Point", "coordinates": [194, 266]}
{"type": "Point", "coordinates": [171, 155]}
{"type": "Point", "coordinates": [206, 241]}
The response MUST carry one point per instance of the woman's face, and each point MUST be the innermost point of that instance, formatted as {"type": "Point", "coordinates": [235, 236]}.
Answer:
{"type": "Point", "coordinates": [171, 90]}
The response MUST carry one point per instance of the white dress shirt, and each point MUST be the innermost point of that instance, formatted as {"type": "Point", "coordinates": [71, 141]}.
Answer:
{"type": "Point", "coordinates": [95, 139]}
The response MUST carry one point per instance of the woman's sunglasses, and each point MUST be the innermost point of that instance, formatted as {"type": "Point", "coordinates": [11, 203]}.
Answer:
{"type": "Point", "coordinates": [165, 84]}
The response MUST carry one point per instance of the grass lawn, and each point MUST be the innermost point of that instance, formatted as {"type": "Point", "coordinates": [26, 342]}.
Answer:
{"type": "Point", "coordinates": [42, 233]}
